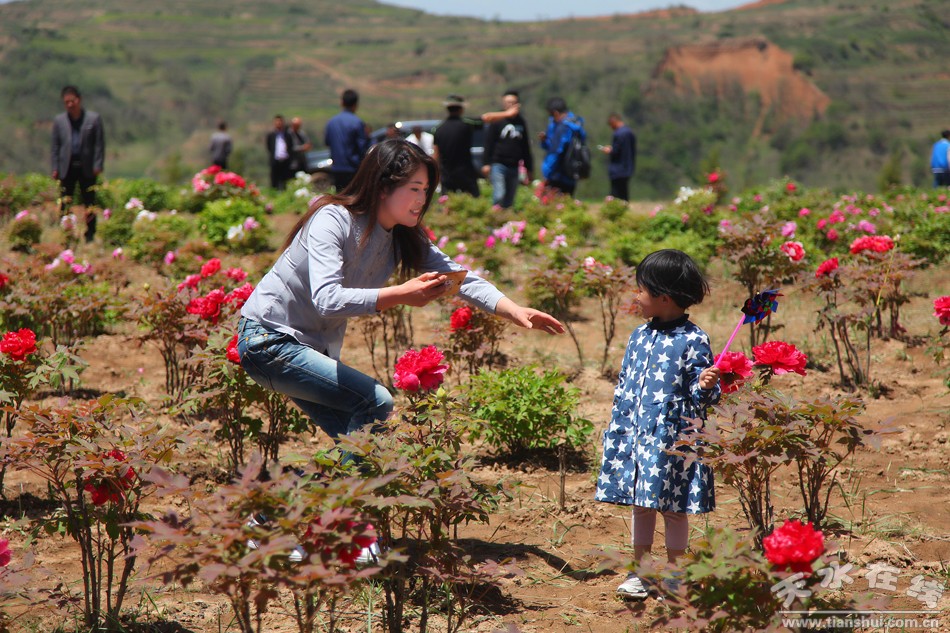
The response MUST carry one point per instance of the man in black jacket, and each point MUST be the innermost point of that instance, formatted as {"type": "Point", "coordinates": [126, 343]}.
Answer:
{"type": "Point", "coordinates": [506, 146]}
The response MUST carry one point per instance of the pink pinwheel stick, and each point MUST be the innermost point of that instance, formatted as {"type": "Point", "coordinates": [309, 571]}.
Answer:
{"type": "Point", "coordinates": [731, 338]}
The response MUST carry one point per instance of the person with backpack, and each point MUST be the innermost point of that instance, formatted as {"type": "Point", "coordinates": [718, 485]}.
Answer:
{"type": "Point", "coordinates": [565, 144]}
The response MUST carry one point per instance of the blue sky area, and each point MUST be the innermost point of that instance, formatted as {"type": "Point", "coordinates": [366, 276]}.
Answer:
{"type": "Point", "coordinates": [554, 9]}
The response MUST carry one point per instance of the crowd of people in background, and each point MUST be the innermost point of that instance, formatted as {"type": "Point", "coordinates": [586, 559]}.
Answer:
{"type": "Point", "coordinates": [507, 159]}
{"type": "Point", "coordinates": [78, 149]}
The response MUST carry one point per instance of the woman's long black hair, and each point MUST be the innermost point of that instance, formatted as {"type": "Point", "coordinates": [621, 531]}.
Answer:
{"type": "Point", "coordinates": [386, 166]}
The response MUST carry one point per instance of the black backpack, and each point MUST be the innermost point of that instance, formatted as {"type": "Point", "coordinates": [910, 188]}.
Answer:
{"type": "Point", "coordinates": [575, 161]}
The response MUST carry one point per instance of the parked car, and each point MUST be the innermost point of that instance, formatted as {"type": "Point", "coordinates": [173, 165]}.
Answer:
{"type": "Point", "coordinates": [319, 161]}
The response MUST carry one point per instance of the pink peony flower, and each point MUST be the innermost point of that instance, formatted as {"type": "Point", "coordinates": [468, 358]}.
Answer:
{"type": "Point", "coordinates": [421, 369]}
{"type": "Point", "coordinates": [235, 274]}
{"type": "Point", "coordinates": [210, 267]}
{"type": "Point", "coordinates": [782, 357]}
{"type": "Point", "coordinates": [942, 309]}
{"type": "Point", "coordinates": [191, 281]}
{"type": "Point", "coordinates": [789, 228]}
{"type": "Point", "coordinates": [794, 545]}
{"type": "Point", "coordinates": [803, 212]}
{"type": "Point", "coordinates": [490, 241]}
{"type": "Point", "coordinates": [734, 368]}
{"type": "Point", "coordinates": [169, 258]}
{"type": "Point", "coordinates": [832, 235]}
{"type": "Point", "coordinates": [794, 250]}
{"type": "Point", "coordinates": [876, 243]}
{"type": "Point", "coordinates": [5, 554]}
{"type": "Point", "coordinates": [827, 267]}
{"type": "Point", "coordinates": [239, 296]}
{"type": "Point", "coordinates": [207, 307]}
{"type": "Point", "coordinates": [118, 253]}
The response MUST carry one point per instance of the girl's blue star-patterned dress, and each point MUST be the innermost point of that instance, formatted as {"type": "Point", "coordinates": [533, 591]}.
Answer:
{"type": "Point", "coordinates": [657, 396]}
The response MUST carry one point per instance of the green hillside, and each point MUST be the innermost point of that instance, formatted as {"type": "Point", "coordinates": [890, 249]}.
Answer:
{"type": "Point", "coordinates": [163, 73]}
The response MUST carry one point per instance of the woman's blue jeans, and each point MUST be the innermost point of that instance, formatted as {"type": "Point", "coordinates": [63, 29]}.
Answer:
{"type": "Point", "coordinates": [339, 399]}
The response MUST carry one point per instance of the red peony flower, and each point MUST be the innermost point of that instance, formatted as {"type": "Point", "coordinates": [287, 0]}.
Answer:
{"type": "Point", "coordinates": [239, 296]}
{"type": "Point", "coordinates": [236, 274]}
{"type": "Point", "coordinates": [229, 178]}
{"type": "Point", "coordinates": [734, 368]}
{"type": "Point", "coordinates": [232, 352]}
{"type": "Point", "coordinates": [5, 554]}
{"type": "Point", "coordinates": [832, 235]}
{"type": "Point", "coordinates": [876, 243]}
{"type": "Point", "coordinates": [713, 178]}
{"type": "Point", "coordinates": [794, 250]}
{"type": "Point", "coordinates": [791, 188]}
{"type": "Point", "coordinates": [4, 280]}
{"type": "Point", "coordinates": [110, 490]}
{"type": "Point", "coordinates": [347, 553]}
{"type": "Point", "coordinates": [942, 309]}
{"type": "Point", "coordinates": [210, 267]}
{"type": "Point", "coordinates": [794, 545]}
{"type": "Point", "coordinates": [420, 370]}
{"type": "Point", "coordinates": [782, 357]}
{"type": "Point", "coordinates": [461, 319]}
{"type": "Point", "coordinates": [209, 306]}
{"type": "Point", "coordinates": [827, 267]}
{"type": "Point", "coordinates": [20, 344]}
{"type": "Point", "coordinates": [211, 171]}
{"type": "Point", "coordinates": [191, 281]}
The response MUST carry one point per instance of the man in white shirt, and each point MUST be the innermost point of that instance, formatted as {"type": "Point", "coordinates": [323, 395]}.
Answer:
{"type": "Point", "coordinates": [421, 138]}
{"type": "Point", "coordinates": [279, 143]}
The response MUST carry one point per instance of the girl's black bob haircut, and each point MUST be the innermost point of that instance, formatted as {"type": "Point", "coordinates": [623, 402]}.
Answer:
{"type": "Point", "coordinates": [673, 273]}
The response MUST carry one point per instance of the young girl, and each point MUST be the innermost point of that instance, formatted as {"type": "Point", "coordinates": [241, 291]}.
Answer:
{"type": "Point", "coordinates": [335, 265]}
{"type": "Point", "coordinates": [667, 378]}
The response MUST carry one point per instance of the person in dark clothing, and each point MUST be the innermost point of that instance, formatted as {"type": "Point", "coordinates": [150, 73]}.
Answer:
{"type": "Point", "coordinates": [453, 149]}
{"type": "Point", "coordinates": [301, 145]}
{"type": "Point", "coordinates": [622, 152]}
{"type": "Point", "coordinates": [279, 147]}
{"type": "Point", "coordinates": [220, 147]}
{"type": "Point", "coordinates": [78, 153]}
{"type": "Point", "coordinates": [506, 145]}
{"type": "Point", "coordinates": [347, 136]}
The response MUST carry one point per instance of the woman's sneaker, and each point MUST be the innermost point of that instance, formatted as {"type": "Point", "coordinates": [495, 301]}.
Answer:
{"type": "Point", "coordinates": [633, 588]}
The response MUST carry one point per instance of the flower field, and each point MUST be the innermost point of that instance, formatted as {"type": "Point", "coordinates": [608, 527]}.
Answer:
{"type": "Point", "coordinates": [136, 451]}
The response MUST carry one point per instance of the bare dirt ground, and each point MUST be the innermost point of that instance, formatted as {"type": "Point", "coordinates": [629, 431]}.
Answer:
{"type": "Point", "coordinates": [896, 500]}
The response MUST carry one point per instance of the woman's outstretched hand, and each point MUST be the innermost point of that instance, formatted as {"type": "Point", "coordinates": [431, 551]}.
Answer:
{"type": "Point", "coordinates": [528, 317]}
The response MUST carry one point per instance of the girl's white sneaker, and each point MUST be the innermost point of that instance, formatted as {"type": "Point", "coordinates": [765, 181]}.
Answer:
{"type": "Point", "coordinates": [633, 588]}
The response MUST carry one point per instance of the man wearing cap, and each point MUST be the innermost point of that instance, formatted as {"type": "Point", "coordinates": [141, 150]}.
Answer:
{"type": "Point", "coordinates": [453, 149]}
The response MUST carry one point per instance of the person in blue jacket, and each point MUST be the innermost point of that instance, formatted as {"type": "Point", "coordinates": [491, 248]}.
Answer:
{"type": "Point", "coordinates": [562, 124]}
{"type": "Point", "coordinates": [940, 160]}
{"type": "Point", "coordinates": [347, 136]}
{"type": "Point", "coordinates": [667, 379]}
